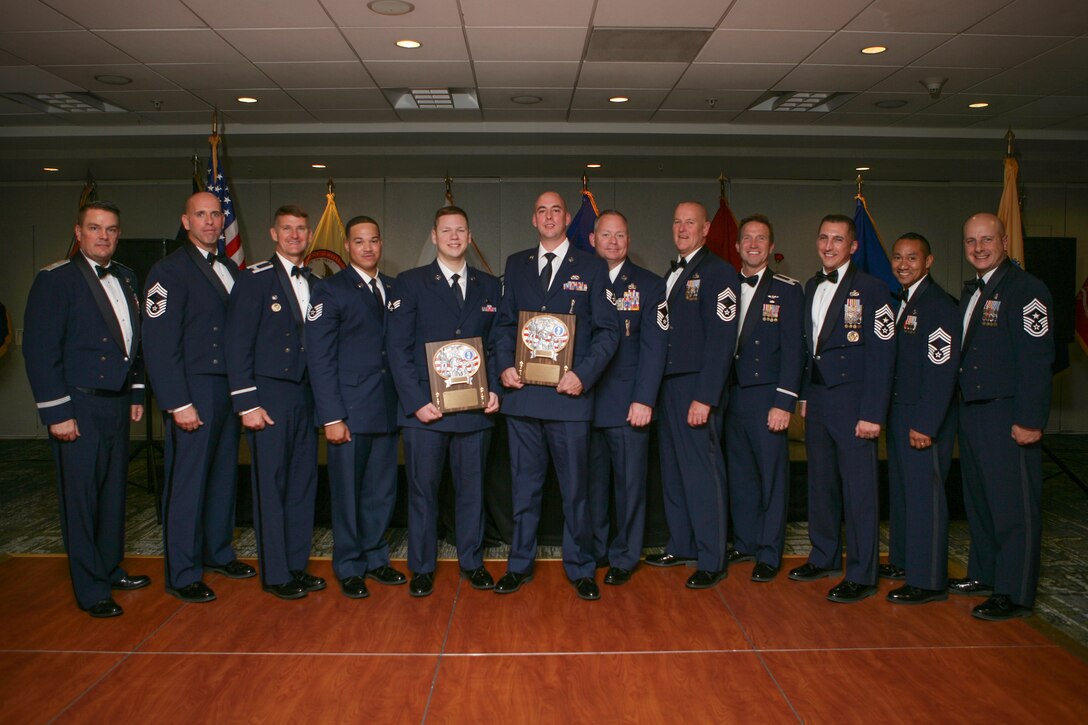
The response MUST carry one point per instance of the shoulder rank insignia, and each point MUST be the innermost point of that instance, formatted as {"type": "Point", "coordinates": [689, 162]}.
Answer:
{"type": "Point", "coordinates": [663, 315]}
{"type": "Point", "coordinates": [260, 267]}
{"type": "Point", "coordinates": [393, 304]}
{"type": "Point", "coordinates": [315, 312]}
{"type": "Point", "coordinates": [787, 280]}
{"type": "Point", "coordinates": [727, 305]}
{"type": "Point", "coordinates": [610, 296]}
{"type": "Point", "coordinates": [155, 306]}
{"type": "Point", "coordinates": [938, 347]}
{"type": "Point", "coordinates": [56, 265]}
{"type": "Point", "coordinates": [884, 323]}
{"type": "Point", "coordinates": [1035, 318]}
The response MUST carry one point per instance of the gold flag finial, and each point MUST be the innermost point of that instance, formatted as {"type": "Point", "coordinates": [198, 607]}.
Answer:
{"type": "Point", "coordinates": [449, 190]}
{"type": "Point", "coordinates": [585, 182]}
{"type": "Point", "coordinates": [330, 186]}
{"type": "Point", "coordinates": [1009, 138]}
{"type": "Point", "coordinates": [860, 184]}
{"type": "Point", "coordinates": [722, 178]}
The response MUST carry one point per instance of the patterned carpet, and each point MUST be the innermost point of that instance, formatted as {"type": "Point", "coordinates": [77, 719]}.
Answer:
{"type": "Point", "coordinates": [29, 524]}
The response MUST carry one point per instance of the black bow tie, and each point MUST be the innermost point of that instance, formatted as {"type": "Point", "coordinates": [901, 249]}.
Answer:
{"type": "Point", "coordinates": [750, 281]}
{"type": "Point", "coordinates": [303, 271]}
{"type": "Point", "coordinates": [978, 283]}
{"type": "Point", "coordinates": [832, 276]}
{"type": "Point", "coordinates": [103, 271]}
{"type": "Point", "coordinates": [214, 257]}
{"type": "Point", "coordinates": [675, 265]}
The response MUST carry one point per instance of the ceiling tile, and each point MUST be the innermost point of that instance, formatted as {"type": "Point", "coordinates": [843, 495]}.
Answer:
{"type": "Point", "coordinates": [431, 115]}
{"type": "Point", "coordinates": [144, 101]}
{"type": "Point", "coordinates": [268, 99]}
{"type": "Point", "coordinates": [329, 115]}
{"type": "Point", "coordinates": [143, 78]}
{"type": "Point", "coordinates": [775, 118]}
{"type": "Point", "coordinates": [33, 15]}
{"type": "Point", "coordinates": [104, 119]}
{"type": "Point", "coordinates": [335, 74]}
{"type": "Point", "coordinates": [657, 14]}
{"type": "Point", "coordinates": [527, 43]}
{"type": "Point", "coordinates": [738, 76]}
{"type": "Point", "coordinates": [760, 46]}
{"type": "Point", "coordinates": [838, 118]}
{"type": "Point", "coordinates": [355, 14]}
{"type": "Point", "coordinates": [1037, 17]}
{"type": "Point", "coordinates": [498, 74]}
{"type": "Point", "coordinates": [792, 15]}
{"type": "Point", "coordinates": [179, 118]}
{"type": "Point", "coordinates": [934, 121]}
{"type": "Point", "coordinates": [9, 59]}
{"type": "Point", "coordinates": [923, 16]}
{"type": "Point", "coordinates": [260, 13]}
{"type": "Point", "coordinates": [128, 14]}
{"type": "Point", "coordinates": [521, 14]}
{"type": "Point", "coordinates": [725, 100]}
{"type": "Point", "coordinates": [61, 48]}
{"type": "Point", "coordinates": [845, 48]}
{"type": "Point", "coordinates": [630, 75]}
{"type": "Point", "coordinates": [598, 98]}
{"type": "Point", "coordinates": [866, 103]}
{"type": "Point", "coordinates": [909, 80]}
{"type": "Point", "coordinates": [290, 44]}
{"type": "Point", "coordinates": [834, 77]}
{"type": "Point", "coordinates": [8, 107]}
{"type": "Point", "coordinates": [717, 116]}
{"type": "Point", "coordinates": [524, 115]}
{"type": "Point", "coordinates": [172, 46]}
{"type": "Point", "coordinates": [586, 115]}
{"type": "Point", "coordinates": [421, 74]}
{"type": "Point", "coordinates": [380, 43]}
{"type": "Point", "coordinates": [1068, 105]}
{"type": "Point", "coordinates": [1031, 78]}
{"type": "Point", "coordinates": [1080, 122]}
{"type": "Point", "coordinates": [958, 104]}
{"type": "Point", "coordinates": [1020, 122]}
{"type": "Point", "coordinates": [213, 75]}
{"type": "Point", "coordinates": [499, 98]}
{"type": "Point", "coordinates": [34, 119]}
{"type": "Point", "coordinates": [339, 98]}
{"type": "Point", "coordinates": [286, 116]}
{"type": "Point", "coordinates": [987, 51]}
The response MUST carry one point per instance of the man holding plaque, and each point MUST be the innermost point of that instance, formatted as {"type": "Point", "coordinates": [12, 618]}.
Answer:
{"type": "Point", "coordinates": [700, 314]}
{"type": "Point", "coordinates": [555, 326]}
{"type": "Point", "coordinates": [357, 404]}
{"type": "Point", "coordinates": [625, 400]}
{"type": "Point", "coordinates": [452, 306]}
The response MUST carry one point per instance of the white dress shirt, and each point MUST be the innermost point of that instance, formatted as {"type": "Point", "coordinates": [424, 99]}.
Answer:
{"type": "Point", "coordinates": [115, 292]}
{"type": "Point", "coordinates": [821, 301]}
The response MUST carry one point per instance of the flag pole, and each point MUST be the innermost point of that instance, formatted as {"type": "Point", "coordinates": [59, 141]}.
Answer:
{"type": "Point", "coordinates": [861, 183]}
{"type": "Point", "coordinates": [1009, 137]}
{"type": "Point", "coordinates": [213, 140]}
{"type": "Point", "coordinates": [722, 178]}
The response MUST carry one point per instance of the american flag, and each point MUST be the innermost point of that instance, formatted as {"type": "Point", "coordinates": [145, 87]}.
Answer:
{"type": "Point", "coordinates": [230, 243]}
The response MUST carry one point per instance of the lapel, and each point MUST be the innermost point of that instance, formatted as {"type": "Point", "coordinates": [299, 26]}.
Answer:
{"type": "Point", "coordinates": [103, 301]}
{"type": "Point", "coordinates": [288, 289]}
{"type": "Point", "coordinates": [689, 269]}
{"type": "Point", "coordinates": [566, 265]}
{"type": "Point", "coordinates": [201, 263]}
{"type": "Point", "coordinates": [988, 294]}
{"type": "Point", "coordinates": [834, 309]}
{"type": "Point", "coordinates": [758, 298]}
{"type": "Point", "coordinates": [912, 303]}
{"type": "Point", "coordinates": [472, 294]}
{"type": "Point", "coordinates": [623, 279]}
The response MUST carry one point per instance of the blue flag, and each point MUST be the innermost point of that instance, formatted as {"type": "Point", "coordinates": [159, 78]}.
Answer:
{"type": "Point", "coordinates": [871, 256]}
{"type": "Point", "coordinates": [581, 226]}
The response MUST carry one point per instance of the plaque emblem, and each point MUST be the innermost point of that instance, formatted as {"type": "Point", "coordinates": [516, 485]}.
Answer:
{"type": "Point", "coordinates": [545, 336]}
{"type": "Point", "coordinates": [456, 363]}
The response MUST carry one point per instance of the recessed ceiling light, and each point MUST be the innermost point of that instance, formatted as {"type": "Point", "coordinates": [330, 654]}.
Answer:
{"type": "Point", "coordinates": [246, 99]}
{"type": "Point", "coordinates": [113, 80]}
{"type": "Point", "coordinates": [861, 168]}
{"type": "Point", "coordinates": [980, 104]}
{"type": "Point", "coordinates": [874, 49]}
{"type": "Point", "coordinates": [618, 99]}
{"type": "Point", "coordinates": [50, 168]}
{"type": "Point", "coordinates": [391, 7]}
{"type": "Point", "coordinates": [408, 44]}
{"type": "Point", "coordinates": [593, 166]}
{"type": "Point", "coordinates": [891, 103]}
{"type": "Point", "coordinates": [317, 166]}
{"type": "Point", "coordinates": [526, 100]}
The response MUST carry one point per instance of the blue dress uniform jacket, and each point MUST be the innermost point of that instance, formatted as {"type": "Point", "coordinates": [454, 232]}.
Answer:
{"type": "Point", "coordinates": [79, 367]}
{"type": "Point", "coordinates": [926, 363]}
{"type": "Point", "coordinates": [767, 369]}
{"type": "Point", "coordinates": [426, 311]}
{"type": "Point", "coordinates": [701, 317]}
{"type": "Point", "coordinates": [848, 378]}
{"type": "Point", "coordinates": [1004, 379]}
{"type": "Point", "coordinates": [352, 382]}
{"type": "Point", "coordinates": [184, 336]}
{"type": "Point", "coordinates": [618, 451]}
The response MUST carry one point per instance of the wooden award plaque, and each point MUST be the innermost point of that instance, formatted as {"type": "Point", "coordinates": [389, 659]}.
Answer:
{"type": "Point", "coordinates": [458, 374]}
{"type": "Point", "coordinates": [545, 347]}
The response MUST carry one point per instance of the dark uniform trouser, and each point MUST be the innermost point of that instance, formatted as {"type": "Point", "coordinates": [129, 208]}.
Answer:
{"type": "Point", "coordinates": [618, 455]}
{"type": "Point", "coordinates": [531, 439]}
{"type": "Point", "coordinates": [92, 474]}
{"type": "Point", "coordinates": [363, 482]}
{"type": "Point", "coordinates": [284, 479]}
{"type": "Point", "coordinates": [917, 506]}
{"type": "Point", "coordinates": [759, 466]}
{"type": "Point", "coordinates": [201, 484]}
{"type": "Point", "coordinates": [692, 476]}
{"type": "Point", "coordinates": [1002, 488]}
{"type": "Point", "coordinates": [842, 479]}
{"type": "Point", "coordinates": [424, 458]}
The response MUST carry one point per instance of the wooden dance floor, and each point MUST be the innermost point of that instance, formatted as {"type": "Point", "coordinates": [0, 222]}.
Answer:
{"type": "Point", "coordinates": [650, 651]}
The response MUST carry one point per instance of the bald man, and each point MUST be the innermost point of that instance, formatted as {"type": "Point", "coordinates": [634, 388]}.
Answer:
{"type": "Point", "coordinates": [1004, 389]}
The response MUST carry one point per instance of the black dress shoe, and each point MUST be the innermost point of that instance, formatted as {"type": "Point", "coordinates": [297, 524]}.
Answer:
{"type": "Point", "coordinates": [233, 569]}
{"type": "Point", "coordinates": [478, 578]}
{"type": "Point", "coordinates": [308, 581]}
{"type": "Point", "coordinates": [422, 585]}
{"type": "Point", "coordinates": [848, 592]}
{"type": "Point", "coordinates": [667, 559]}
{"type": "Point", "coordinates": [354, 587]}
{"type": "Point", "coordinates": [764, 572]}
{"type": "Point", "coordinates": [293, 589]}
{"type": "Point", "coordinates": [511, 582]}
{"type": "Point", "coordinates": [586, 588]}
{"type": "Point", "coordinates": [703, 579]}
{"type": "Point", "coordinates": [970, 587]}
{"type": "Point", "coordinates": [891, 571]}
{"type": "Point", "coordinates": [999, 608]}
{"type": "Point", "coordinates": [105, 608]}
{"type": "Point", "coordinates": [386, 575]}
{"type": "Point", "coordinates": [810, 572]}
{"type": "Point", "coordinates": [195, 593]}
{"type": "Point", "coordinates": [602, 562]}
{"type": "Point", "coordinates": [131, 581]}
{"type": "Point", "coordinates": [617, 576]}
{"type": "Point", "coordinates": [735, 557]}
{"type": "Point", "coordinates": [916, 595]}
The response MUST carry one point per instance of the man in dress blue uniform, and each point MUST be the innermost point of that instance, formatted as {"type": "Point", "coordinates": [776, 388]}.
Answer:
{"type": "Point", "coordinates": [850, 328]}
{"type": "Point", "coordinates": [1004, 389]}
{"type": "Point", "coordinates": [443, 300]}
{"type": "Point", "coordinates": [763, 391]}
{"type": "Point", "coordinates": [184, 336]}
{"type": "Point", "coordinates": [921, 427]}
{"type": "Point", "coordinates": [553, 277]}
{"type": "Point", "coordinates": [357, 405]}
{"type": "Point", "coordinates": [625, 399]}
{"type": "Point", "coordinates": [270, 390]}
{"type": "Point", "coordinates": [701, 316]}
{"type": "Point", "coordinates": [80, 343]}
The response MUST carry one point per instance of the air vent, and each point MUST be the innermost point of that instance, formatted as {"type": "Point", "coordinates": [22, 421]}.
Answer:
{"type": "Point", "coordinates": [72, 102]}
{"type": "Point", "coordinates": [432, 98]}
{"type": "Point", "coordinates": [800, 101]}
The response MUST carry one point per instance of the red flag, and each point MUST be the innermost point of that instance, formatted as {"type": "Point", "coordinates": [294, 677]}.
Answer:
{"type": "Point", "coordinates": [1082, 316]}
{"type": "Point", "coordinates": [722, 239]}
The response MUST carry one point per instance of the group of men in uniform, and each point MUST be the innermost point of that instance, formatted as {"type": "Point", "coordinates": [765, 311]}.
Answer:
{"type": "Point", "coordinates": [720, 359]}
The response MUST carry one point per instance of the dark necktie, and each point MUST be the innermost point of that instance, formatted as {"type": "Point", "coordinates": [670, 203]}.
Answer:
{"type": "Point", "coordinates": [102, 271]}
{"type": "Point", "coordinates": [675, 265]}
{"type": "Point", "coordinates": [457, 293]}
{"type": "Point", "coordinates": [978, 283]}
{"type": "Point", "coordinates": [546, 273]}
{"type": "Point", "coordinates": [377, 293]}
{"type": "Point", "coordinates": [832, 276]}
{"type": "Point", "coordinates": [750, 281]}
{"type": "Point", "coordinates": [904, 295]}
